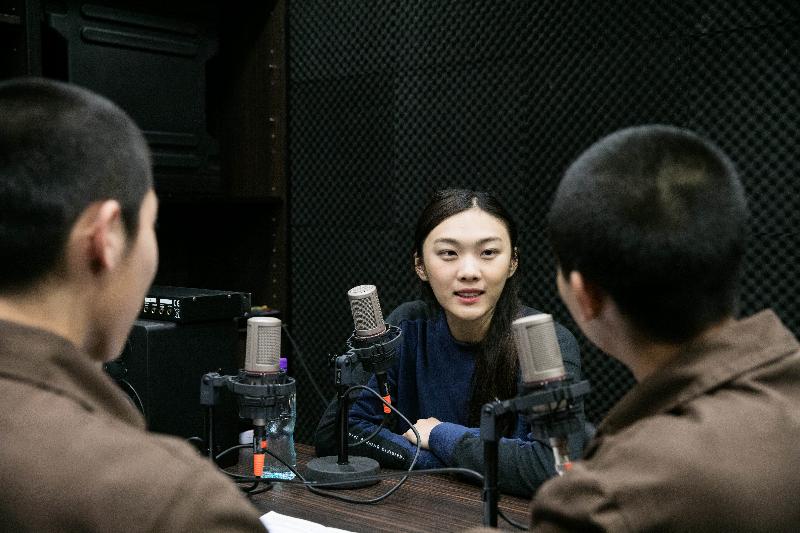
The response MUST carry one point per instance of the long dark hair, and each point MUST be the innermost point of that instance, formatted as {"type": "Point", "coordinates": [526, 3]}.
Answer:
{"type": "Point", "coordinates": [496, 368]}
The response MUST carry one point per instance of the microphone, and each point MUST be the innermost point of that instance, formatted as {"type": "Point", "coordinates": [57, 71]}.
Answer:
{"type": "Point", "coordinates": [547, 397]}
{"type": "Point", "coordinates": [261, 387]}
{"type": "Point", "coordinates": [539, 355]}
{"type": "Point", "coordinates": [370, 331]}
{"type": "Point", "coordinates": [263, 349]}
{"type": "Point", "coordinates": [366, 310]}
{"type": "Point", "coordinates": [542, 369]}
{"type": "Point", "coordinates": [373, 344]}
{"type": "Point", "coordinates": [262, 358]}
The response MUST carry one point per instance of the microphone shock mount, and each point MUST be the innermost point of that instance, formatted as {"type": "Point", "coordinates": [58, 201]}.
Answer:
{"type": "Point", "coordinates": [552, 411]}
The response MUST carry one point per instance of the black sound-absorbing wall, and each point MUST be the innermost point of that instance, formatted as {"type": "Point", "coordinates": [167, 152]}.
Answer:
{"type": "Point", "coordinates": [390, 100]}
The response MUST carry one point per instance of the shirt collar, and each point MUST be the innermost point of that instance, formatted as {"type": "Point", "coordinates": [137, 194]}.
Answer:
{"type": "Point", "coordinates": [704, 364]}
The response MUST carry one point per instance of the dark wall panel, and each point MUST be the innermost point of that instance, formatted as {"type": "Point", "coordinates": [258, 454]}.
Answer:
{"type": "Point", "coordinates": [390, 100]}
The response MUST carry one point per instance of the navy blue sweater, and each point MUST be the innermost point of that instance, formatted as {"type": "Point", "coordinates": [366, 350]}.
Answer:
{"type": "Point", "coordinates": [432, 378]}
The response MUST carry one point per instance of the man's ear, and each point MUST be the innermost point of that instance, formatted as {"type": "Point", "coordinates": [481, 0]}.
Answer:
{"type": "Point", "coordinates": [106, 234]}
{"type": "Point", "coordinates": [419, 268]}
{"type": "Point", "coordinates": [589, 297]}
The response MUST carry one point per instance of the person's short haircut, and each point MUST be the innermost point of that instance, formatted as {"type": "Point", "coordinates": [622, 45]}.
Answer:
{"type": "Point", "coordinates": [62, 148]}
{"type": "Point", "coordinates": [655, 216]}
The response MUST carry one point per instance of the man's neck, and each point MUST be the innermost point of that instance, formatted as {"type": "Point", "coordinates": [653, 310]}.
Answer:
{"type": "Point", "coordinates": [644, 357]}
{"type": "Point", "coordinates": [47, 307]}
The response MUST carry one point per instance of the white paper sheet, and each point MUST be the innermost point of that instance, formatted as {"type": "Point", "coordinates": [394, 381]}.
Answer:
{"type": "Point", "coordinates": [281, 523]}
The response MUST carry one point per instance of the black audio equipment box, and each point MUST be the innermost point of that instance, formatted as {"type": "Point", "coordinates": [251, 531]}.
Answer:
{"type": "Point", "coordinates": [160, 371]}
{"type": "Point", "coordinates": [185, 305]}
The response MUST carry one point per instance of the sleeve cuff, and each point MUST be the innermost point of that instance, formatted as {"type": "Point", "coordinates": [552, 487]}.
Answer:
{"type": "Point", "coordinates": [443, 439]}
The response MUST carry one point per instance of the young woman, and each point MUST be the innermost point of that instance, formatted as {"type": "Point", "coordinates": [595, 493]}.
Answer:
{"type": "Point", "coordinates": [457, 351]}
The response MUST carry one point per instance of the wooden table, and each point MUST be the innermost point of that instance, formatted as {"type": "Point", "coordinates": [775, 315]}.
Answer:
{"type": "Point", "coordinates": [423, 504]}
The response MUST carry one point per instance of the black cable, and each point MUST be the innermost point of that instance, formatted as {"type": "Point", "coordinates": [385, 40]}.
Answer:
{"type": "Point", "coordinates": [377, 477]}
{"type": "Point", "coordinates": [315, 490]}
{"type": "Point", "coordinates": [513, 523]}
{"type": "Point", "coordinates": [223, 453]}
{"type": "Point", "coordinates": [380, 477]}
{"type": "Point", "coordinates": [365, 439]}
{"type": "Point", "coordinates": [314, 486]}
{"type": "Point", "coordinates": [399, 484]}
{"type": "Point", "coordinates": [200, 444]}
{"type": "Point", "coordinates": [252, 489]}
{"type": "Point", "coordinates": [138, 402]}
{"type": "Point", "coordinates": [325, 401]}
{"type": "Point", "coordinates": [239, 478]}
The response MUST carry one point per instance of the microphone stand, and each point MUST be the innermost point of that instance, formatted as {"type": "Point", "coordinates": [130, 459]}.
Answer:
{"type": "Point", "coordinates": [259, 395]}
{"type": "Point", "coordinates": [374, 355]}
{"type": "Point", "coordinates": [552, 412]}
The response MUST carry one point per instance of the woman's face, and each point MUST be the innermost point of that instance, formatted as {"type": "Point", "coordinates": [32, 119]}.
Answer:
{"type": "Point", "coordinates": [467, 259]}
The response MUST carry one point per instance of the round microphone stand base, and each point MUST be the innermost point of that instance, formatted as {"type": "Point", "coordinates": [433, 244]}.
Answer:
{"type": "Point", "coordinates": [328, 470]}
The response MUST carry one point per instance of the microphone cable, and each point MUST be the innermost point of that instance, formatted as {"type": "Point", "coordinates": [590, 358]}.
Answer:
{"type": "Point", "coordinates": [136, 400]}
{"type": "Point", "coordinates": [239, 478]}
{"type": "Point", "coordinates": [256, 481]}
{"type": "Point", "coordinates": [365, 439]}
{"type": "Point", "coordinates": [511, 521]}
{"type": "Point", "coordinates": [325, 401]}
{"type": "Point", "coordinates": [311, 485]}
{"type": "Point", "coordinates": [315, 486]}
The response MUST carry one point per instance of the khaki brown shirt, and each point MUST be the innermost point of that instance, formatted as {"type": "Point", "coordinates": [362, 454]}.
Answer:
{"type": "Point", "coordinates": [75, 455]}
{"type": "Point", "coordinates": [709, 443]}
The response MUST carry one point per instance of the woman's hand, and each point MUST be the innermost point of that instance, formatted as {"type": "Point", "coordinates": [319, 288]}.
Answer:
{"type": "Point", "coordinates": [424, 426]}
